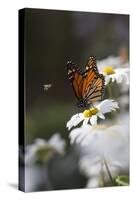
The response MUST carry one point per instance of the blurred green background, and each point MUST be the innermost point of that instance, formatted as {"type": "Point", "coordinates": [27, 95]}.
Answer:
{"type": "Point", "coordinates": [51, 38]}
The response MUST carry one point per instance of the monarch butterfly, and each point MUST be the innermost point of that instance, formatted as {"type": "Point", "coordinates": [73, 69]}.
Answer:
{"type": "Point", "coordinates": [88, 85]}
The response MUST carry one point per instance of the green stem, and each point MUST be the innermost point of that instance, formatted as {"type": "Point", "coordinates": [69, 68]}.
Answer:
{"type": "Point", "coordinates": [109, 90]}
{"type": "Point", "coordinates": [108, 171]}
{"type": "Point", "coordinates": [102, 175]}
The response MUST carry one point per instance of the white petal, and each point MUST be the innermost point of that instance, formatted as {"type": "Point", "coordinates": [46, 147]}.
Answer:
{"type": "Point", "coordinates": [57, 143]}
{"type": "Point", "coordinates": [77, 135]}
{"type": "Point", "coordinates": [100, 115]}
{"type": "Point", "coordinates": [75, 120]}
{"type": "Point", "coordinates": [80, 135]}
{"type": "Point", "coordinates": [40, 142]}
{"type": "Point", "coordinates": [113, 77]}
{"type": "Point", "coordinates": [122, 70]}
{"type": "Point", "coordinates": [90, 165]}
{"type": "Point", "coordinates": [119, 76]}
{"type": "Point", "coordinates": [122, 74]}
{"type": "Point", "coordinates": [107, 79]}
{"type": "Point", "coordinates": [85, 122]}
{"type": "Point", "coordinates": [93, 182]}
{"type": "Point", "coordinates": [93, 120]}
{"type": "Point", "coordinates": [126, 78]}
{"type": "Point", "coordinates": [107, 105]}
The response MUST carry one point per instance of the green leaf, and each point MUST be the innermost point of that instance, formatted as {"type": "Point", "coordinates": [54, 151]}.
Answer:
{"type": "Point", "coordinates": [122, 180]}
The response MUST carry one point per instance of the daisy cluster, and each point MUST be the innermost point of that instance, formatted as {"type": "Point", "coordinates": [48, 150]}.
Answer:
{"type": "Point", "coordinates": [43, 150]}
{"type": "Point", "coordinates": [37, 158]}
{"type": "Point", "coordinates": [103, 140]}
{"type": "Point", "coordinates": [114, 69]}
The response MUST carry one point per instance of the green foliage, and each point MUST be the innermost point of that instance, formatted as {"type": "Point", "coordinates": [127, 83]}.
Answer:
{"type": "Point", "coordinates": [44, 154]}
{"type": "Point", "coordinates": [122, 180]}
{"type": "Point", "coordinates": [46, 120]}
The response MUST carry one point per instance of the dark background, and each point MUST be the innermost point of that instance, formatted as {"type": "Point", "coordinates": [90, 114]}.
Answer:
{"type": "Point", "coordinates": [51, 38]}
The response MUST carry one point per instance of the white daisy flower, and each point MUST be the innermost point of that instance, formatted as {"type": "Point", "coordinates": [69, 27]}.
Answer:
{"type": "Point", "coordinates": [91, 115]}
{"type": "Point", "coordinates": [115, 61]}
{"type": "Point", "coordinates": [117, 75]}
{"type": "Point", "coordinates": [106, 151]}
{"type": "Point", "coordinates": [46, 148]}
{"type": "Point", "coordinates": [114, 69]}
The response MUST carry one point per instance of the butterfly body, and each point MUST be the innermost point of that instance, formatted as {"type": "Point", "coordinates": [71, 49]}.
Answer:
{"type": "Point", "coordinates": [88, 85]}
{"type": "Point", "coordinates": [82, 103]}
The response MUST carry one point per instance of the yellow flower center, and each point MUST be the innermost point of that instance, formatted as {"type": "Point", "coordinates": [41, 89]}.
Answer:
{"type": "Point", "coordinates": [90, 112]}
{"type": "Point", "coordinates": [108, 70]}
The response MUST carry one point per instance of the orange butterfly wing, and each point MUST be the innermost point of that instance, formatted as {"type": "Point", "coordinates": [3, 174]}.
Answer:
{"type": "Point", "coordinates": [93, 86]}
{"type": "Point", "coordinates": [76, 78]}
{"type": "Point", "coordinates": [89, 85]}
